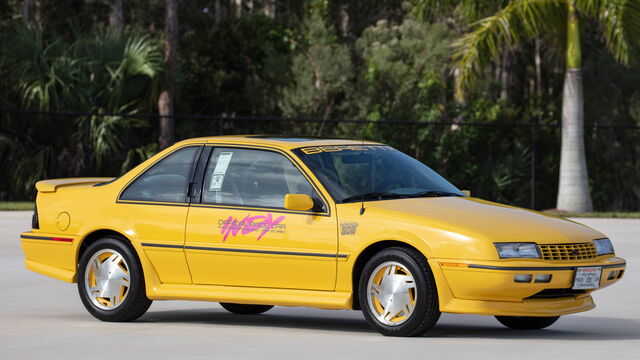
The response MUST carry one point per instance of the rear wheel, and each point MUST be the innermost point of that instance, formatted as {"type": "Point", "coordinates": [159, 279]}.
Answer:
{"type": "Point", "coordinates": [244, 309]}
{"type": "Point", "coordinates": [527, 322]}
{"type": "Point", "coordinates": [397, 293]}
{"type": "Point", "coordinates": [110, 281]}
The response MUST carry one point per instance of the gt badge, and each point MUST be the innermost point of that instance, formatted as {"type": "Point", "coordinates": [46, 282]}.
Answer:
{"type": "Point", "coordinates": [348, 228]}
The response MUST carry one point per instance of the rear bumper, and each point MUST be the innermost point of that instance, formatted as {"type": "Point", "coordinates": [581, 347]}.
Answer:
{"type": "Point", "coordinates": [489, 288]}
{"type": "Point", "coordinates": [50, 254]}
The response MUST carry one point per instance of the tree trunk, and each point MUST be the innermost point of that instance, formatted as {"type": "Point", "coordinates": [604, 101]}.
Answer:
{"type": "Point", "coordinates": [217, 15]}
{"type": "Point", "coordinates": [36, 18]}
{"type": "Point", "coordinates": [237, 4]}
{"type": "Point", "coordinates": [344, 20]}
{"type": "Point", "coordinates": [165, 101]}
{"type": "Point", "coordinates": [504, 75]}
{"type": "Point", "coordinates": [538, 67]}
{"type": "Point", "coordinates": [270, 8]}
{"type": "Point", "coordinates": [26, 5]}
{"type": "Point", "coordinates": [573, 190]}
{"type": "Point", "coordinates": [116, 17]}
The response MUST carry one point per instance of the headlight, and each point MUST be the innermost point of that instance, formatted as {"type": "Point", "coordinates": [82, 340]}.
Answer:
{"type": "Point", "coordinates": [517, 250]}
{"type": "Point", "coordinates": [603, 246]}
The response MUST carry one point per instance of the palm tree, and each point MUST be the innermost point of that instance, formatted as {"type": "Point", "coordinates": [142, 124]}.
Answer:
{"type": "Point", "coordinates": [107, 74]}
{"type": "Point", "coordinates": [526, 20]}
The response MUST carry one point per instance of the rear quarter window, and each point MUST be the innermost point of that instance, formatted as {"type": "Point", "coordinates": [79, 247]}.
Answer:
{"type": "Point", "coordinates": [166, 181]}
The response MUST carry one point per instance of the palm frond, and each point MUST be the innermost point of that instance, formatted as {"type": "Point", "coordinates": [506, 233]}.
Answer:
{"type": "Point", "coordinates": [620, 21]}
{"type": "Point", "coordinates": [520, 20]}
{"type": "Point", "coordinates": [142, 56]}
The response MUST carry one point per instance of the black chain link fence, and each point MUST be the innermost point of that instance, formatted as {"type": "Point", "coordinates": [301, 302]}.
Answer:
{"type": "Point", "coordinates": [514, 163]}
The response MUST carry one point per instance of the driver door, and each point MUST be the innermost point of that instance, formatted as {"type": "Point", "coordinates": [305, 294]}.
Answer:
{"type": "Point", "coordinates": [239, 234]}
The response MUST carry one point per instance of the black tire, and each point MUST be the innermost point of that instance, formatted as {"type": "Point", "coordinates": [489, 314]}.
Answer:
{"type": "Point", "coordinates": [136, 303]}
{"type": "Point", "coordinates": [244, 309]}
{"type": "Point", "coordinates": [527, 322]}
{"type": "Point", "coordinates": [426, 311]}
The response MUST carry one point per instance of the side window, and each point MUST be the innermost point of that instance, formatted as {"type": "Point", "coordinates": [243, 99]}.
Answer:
{"type": "Point", "coordinates": [252, 178]}
{"type": "Point", "coordinates": [165, 181]}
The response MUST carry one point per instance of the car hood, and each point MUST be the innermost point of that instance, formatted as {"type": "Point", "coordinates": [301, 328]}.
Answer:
{"type": "Point", "coordinates": [480, 219]}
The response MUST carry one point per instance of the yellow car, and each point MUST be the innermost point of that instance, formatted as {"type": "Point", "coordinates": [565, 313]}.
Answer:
{"type": "Point", "coordinates": [258, 221]}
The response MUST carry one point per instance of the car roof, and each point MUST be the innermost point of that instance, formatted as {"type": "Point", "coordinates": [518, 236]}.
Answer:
{"type": "Point", "coordinates": [279, 141]}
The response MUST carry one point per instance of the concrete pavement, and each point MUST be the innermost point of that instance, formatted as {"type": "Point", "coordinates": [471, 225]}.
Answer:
{"type": "Point", "coordinates": [43, 318]}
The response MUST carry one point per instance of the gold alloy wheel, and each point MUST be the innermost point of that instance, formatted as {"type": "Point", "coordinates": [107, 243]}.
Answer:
{"type": "Point", "coordinates": [107, 279]}
{"type": "Point", "coordinates": [391, 293]}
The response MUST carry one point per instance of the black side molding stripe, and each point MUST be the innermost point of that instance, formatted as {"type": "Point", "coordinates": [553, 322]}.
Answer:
{"type": "Point", "coordinates": [540, 268]}
{"type": "Point", "coordinates": [163, 246]}
{"type": "Point", "coordinates": [35, 237]}
{"type": "Point", "coordinates": [270, 252]}
{"type": "Point", "coordinates": [150, 203]}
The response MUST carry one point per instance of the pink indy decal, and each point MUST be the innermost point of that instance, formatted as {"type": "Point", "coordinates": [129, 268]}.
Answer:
{"type": "Point", "coordinates": [264, 224]}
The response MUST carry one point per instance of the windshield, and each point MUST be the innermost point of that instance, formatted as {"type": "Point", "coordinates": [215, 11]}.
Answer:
{"type": "Point", "coordinates": [373, 172]}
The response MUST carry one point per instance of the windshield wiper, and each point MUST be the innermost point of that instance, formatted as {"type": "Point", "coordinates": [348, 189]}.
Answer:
{"type": "Point", "coordinates": [434, 193]}
{"type": "Point", "coordinates": [375, 196]}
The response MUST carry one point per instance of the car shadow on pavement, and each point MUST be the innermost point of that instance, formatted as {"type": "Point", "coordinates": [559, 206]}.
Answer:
{"type": "Point", "coordinates": [221, 317]}
{"type": "Point", "coordinates": [575, 327]}
{"type": "Point", "coordinates": [572, 327]}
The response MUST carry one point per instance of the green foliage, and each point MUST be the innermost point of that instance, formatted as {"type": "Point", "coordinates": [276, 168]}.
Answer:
{"type": "Point", "coordinates": [138, 155]}
{"type": "Point", "coordinates": [385, 61]}
{"type": "Point", "coordinates": [518, 21]}
{"type": "Point", "coordinates": [620, 22]}
{"type": "Point", "coordinates": [463, 11]}
{"type": "Point", "coordinates": [240, 66]}
{"type": "Point", "coordinates": [99, 75]}
{"type": "Point", "coordinates": [321, 75]}
{"type": "Point", "coordinates": [405, 73]}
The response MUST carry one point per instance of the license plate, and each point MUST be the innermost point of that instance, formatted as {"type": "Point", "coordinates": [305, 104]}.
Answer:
{"type": "Point", "coordinates": [587, 278]}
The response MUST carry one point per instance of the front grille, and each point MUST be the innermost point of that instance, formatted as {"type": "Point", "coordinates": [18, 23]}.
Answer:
{"type": "Point", "coordinates": [556, 293]}
{"type": "Point", "coordinates": [581, 251]}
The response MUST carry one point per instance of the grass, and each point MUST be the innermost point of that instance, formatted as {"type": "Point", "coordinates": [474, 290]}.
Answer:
{"type": "Point", "coordinates": [16, 205]}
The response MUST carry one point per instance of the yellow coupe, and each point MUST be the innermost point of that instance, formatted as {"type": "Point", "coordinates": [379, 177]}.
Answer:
{"type": "Point", "coordinates": [258, 221]}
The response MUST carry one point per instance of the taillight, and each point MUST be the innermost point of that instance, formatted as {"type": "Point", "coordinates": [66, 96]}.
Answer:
{"type": "Point", "coordinates": [35, 222]}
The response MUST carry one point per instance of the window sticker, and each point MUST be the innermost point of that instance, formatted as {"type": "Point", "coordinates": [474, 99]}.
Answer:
{"type": "Point", "coordinates": [220, 170]}
{"type": "Point", "coordinates": [216, 182]}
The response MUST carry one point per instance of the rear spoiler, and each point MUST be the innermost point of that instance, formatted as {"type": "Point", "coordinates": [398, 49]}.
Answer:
{"type": "Point", "coordinates": [53, 184]}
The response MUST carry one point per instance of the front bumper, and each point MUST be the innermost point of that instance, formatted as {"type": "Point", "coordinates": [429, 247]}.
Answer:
{"type": "Point", "coordinates": [489, 287]}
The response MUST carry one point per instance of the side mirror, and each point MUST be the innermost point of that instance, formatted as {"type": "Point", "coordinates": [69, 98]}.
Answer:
{"type": "Point", "coordinates": [301, 202]}
{"type": "Point", "coordinates": [466, 192]}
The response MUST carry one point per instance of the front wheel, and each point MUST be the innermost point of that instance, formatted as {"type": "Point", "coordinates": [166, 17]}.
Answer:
{"type": "Point", "coordinates": [398, 294]}
{"type": "Point", "coordinates": [110, 281]}
{"type": "Point", "coordinates": [527, 322]}
{"type": "Point", "coordinates": [244, 309]}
